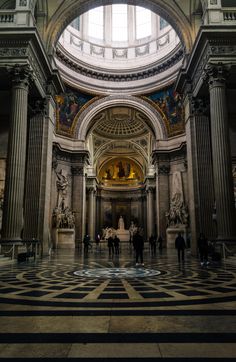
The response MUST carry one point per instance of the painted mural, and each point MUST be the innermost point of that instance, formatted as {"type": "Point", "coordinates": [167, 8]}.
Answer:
{"type": "Point", "coordinates": [68, 105]}
{"type": "Point", "coordinates": [170, 104]}
{"type": "Point", "coordinates": [121, 171]}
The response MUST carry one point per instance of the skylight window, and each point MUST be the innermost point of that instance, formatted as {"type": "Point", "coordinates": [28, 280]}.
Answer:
{"type": "Point", "coordinates": [143, 23]}
{"type": "Point", "coordinates": [96, 23]}
{"type": "Point", "coordinates": [119, 23]}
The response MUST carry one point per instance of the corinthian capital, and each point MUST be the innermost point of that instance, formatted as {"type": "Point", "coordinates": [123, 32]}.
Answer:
{"type": "Point", "coordinates": [199, 106]}
{"type": "Point", "coordinates": [216, 74]}
{"type": "Point", "coordinates": [20, 74]}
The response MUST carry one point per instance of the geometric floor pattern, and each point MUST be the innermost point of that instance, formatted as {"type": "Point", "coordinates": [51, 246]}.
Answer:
{"type": "Point", "coordinates": [106, 309]}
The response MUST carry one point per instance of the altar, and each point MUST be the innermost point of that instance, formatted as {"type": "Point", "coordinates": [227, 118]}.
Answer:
{"type": "Point", "coordinates": [123, 234]}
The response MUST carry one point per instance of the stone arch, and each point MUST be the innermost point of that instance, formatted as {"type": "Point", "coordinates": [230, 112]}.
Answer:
{"type": "Point", "coordinates": [72, 8]}
{"type": "Point", "coordinates": [85, 119]}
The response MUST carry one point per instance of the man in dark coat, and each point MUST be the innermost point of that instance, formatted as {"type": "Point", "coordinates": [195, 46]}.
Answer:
{"type": "Point", "coordinates": [138, 246]}
{"type": "Point", "coordinates": [180, 246]}
{"type": "Point", "coordinates": [202, 244]}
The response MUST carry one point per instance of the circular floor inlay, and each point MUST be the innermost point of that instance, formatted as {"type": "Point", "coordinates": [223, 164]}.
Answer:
{"type": "Point", "coordinates": [139, 272]}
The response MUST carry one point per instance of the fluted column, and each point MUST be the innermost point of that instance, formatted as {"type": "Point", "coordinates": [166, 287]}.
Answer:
{"type": "Point", "coordinates": [150, 212]}
{"type": "Point", "coordinates": [162, 191]}
{"type": "Point", "coordinates": [16, 157]}
{"type": "Point", "coordinates": [78, 201]}
{"type": "Point", "coordinates": [202, 163]}
{"type": "Point", "coordinates": [91, 212]}
{"type": "Point", "coordinates": [38, 173]}
{"type": "Point", "coordinates": [221, 153]}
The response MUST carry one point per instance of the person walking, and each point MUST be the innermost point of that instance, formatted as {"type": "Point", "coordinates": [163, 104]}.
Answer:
{"type": "Point", "coordinates": [138, 246]}
{"type": "Point", "coordinates": [86, 242]}
{"type": "Point", "coordinates": [116, 242]}
{"type": "Point", "coordinates": [180, 246]}
{"type": "Point", "coordinates": [153, 246]}
{"type": "Point", "coordinates": [110, 244]}
{"type": "Point", "coordinates": [202, 244]}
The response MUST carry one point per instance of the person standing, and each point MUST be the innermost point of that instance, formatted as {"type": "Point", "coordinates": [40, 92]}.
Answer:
{"type": "Point", "coordinates": [97, 240]}
{"type": "Point", "coordinates": [180, 246]}
{"type": "Point", "coordinates": [160, 243]}
{"type": "Point", "coordinates": [138, 246]}
{"type": "Point", "coordinates": [202, 244]}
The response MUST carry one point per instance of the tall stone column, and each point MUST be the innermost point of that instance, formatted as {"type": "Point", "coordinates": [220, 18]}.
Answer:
{"type": "Point", "coordinates": [221, 153]}
{"type": "Point", "coordinates": [91, 212]}
{"type": "Point", "coordinates": [202, 164]}
{"type": "Point", "coordinates": [16, 157]}
{"type": "Point", "coordinates": [38, 173]}
{"type": "Point", "coordinates": [78, 201]}
{"type": "Point", "coordinates": [150, 212]}
{"type": "Point", "coordinates": [162, 192]}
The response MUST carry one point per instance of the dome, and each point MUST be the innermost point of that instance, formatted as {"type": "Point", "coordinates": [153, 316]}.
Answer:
{"type": "Point", "coordinates": [121, 47]}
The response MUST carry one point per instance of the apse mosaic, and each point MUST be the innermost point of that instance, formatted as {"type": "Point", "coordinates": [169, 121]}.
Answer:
{"type": "Point", "coordinates": [169, 103]}
{"type": "Point", "coordinates": [121, 172]}
{"type": "Point", "coordinates": [68, 105]}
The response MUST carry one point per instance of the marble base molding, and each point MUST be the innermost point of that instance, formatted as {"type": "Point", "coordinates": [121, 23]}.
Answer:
{"type": "Point", "coordinates": [63, 238]}
{"type": "Point", "coordinates": [172, 233]}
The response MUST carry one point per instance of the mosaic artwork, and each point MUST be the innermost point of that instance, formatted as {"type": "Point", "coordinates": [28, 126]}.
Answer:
{"type": "Point", "coordinates": [121, 171]}
{"type": "Point", "coordinates": [68, 106]}
{"type": "Point", "coordinates": [170, 104]}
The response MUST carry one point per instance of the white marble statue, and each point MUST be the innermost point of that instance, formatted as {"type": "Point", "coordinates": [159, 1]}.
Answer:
{"type": "Point", "coordinates": [121, 224]}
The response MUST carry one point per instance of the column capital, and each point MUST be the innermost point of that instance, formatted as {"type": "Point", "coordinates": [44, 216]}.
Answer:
{"type": "Point", "coordinates": [20, 75]}
{"type": "Point", "coordinates": [163, 170]}
{"type": "Point", "coordinates": [216, 74]}
{"type": "Point", "coordinates": [91, 189]}
{"type": "Point", "coordinates": [39, 106]}
{"type": "Point", "coordinates": [77, 170]}
{"type": "Point", "coordinates": [199, 106]}
{"type": "Point", "coordinates": [150, 189]}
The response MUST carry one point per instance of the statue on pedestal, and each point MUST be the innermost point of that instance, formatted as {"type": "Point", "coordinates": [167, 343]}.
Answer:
{"type": "Point", "coordinates": [121, 224]}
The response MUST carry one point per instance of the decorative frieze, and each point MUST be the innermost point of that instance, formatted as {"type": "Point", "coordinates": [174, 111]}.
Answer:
{"type": "Point", "coordinates": [13, 52]}
{"type": "Point", "coordinates": [112, 77]}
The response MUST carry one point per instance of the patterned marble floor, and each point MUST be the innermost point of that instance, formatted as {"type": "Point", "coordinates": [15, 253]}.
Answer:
{"type": "Point", "coordinates": [99, 308]}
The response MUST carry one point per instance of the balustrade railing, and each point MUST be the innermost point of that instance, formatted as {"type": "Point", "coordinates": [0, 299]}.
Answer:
{"type": "Point", "coordinates": [7, 17]}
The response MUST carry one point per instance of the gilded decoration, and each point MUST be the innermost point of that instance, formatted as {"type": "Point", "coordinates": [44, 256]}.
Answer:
{"type": "Point", "coordinates": [170, 105]}
{"type": "Point", "coordinates": [121, 172]}
{"type": "Point", "coordinates": [69, 106]}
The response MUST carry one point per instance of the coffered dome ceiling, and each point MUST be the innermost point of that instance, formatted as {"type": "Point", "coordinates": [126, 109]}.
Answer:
{"type": "Point", "coordinates": [120, 122]}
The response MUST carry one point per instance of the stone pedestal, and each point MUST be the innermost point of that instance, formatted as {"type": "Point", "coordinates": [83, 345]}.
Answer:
{"type": "Point", "coordinates": [172, 233]}
{"type": "Point", "coordinates": [63, 238]}
{"type": "Point", "coordinates": [123, 234]}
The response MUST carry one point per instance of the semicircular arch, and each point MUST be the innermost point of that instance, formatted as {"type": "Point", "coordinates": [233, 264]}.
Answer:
{"type": "Point", "coordinates": [85, 120]}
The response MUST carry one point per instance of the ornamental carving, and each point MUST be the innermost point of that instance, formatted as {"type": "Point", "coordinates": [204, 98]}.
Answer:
{"type": "Point", "coordinates": [92, 73]}
{"type": "Point", "coordinates": [13, 52]}
{"type": "Point", "coordinates": [20, 74]}
{"type": "Point", "coordinates": [163, 170]}
{"type": "Point", "coordinates": [77, 170]}
{"type": "Point", "coordinates": [216, 73]}
{"type": "Point", "coordinates": [199, 106]}
{"type": "Point", "coordinates": [23, 3]}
